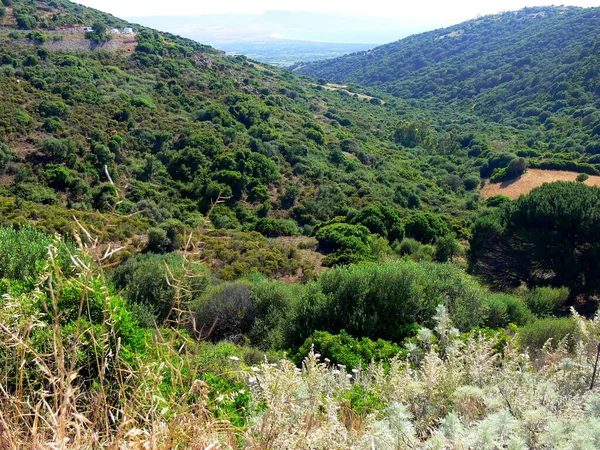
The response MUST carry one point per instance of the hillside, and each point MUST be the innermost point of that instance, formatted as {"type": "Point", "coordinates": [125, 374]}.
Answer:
{"type": "Point", "coordinates": [177, 124]}
{"type": "Point", "coordinates": [533, 72]}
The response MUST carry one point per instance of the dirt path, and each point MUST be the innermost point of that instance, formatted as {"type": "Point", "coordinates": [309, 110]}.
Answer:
{"type": "Point", "coordinates": [530, 180]}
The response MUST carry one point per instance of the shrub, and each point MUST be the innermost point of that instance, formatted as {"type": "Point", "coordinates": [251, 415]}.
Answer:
{"type": "Point", "coordinates": [24, 252]}
{"type": "Point", "coordinates": [426, 227]}
{"type": "Point", "coordinates": [496, 201]}
{"type": "Point", "coordinates": [146, 281]}
{"type": "Point", "coordinates": [227, 312]}
{"type": "Point", "coordinates": [536, 334]}
{"type": "Point", "coordinates": [346, 243]}
{"type": "Point", "coordinates": [381, 300]}
{"type": "Point", "coordinates": [446, 247]}
{"type": "Point", "coordinates": [547, 301]}
{"type": "Point", "coordinates": [275, 228]}
{"type": "Point", "coordinates": [345, 350]}
{"type": "Point", "coordinates": [582, 177]}
{"type": "Point", "coordinates": [53, 109]}
{"type": "Point", "coordinates": [502, 310]}
{"type": "Point", "coordinates": [7, 155]}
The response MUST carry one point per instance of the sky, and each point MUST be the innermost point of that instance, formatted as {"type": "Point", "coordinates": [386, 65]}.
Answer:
{"type": "Point", "coordinates": [435, 11]}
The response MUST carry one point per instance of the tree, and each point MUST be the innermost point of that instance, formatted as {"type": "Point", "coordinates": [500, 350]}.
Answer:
{"type": "Point", "coordinates": [550, 237]}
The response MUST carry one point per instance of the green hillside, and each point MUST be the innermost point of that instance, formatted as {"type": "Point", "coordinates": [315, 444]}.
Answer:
{"type": "Point", "coordinates": [535, 71]}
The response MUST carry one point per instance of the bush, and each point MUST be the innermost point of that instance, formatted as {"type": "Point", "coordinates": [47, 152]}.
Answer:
{"type": "Point", "coordinates": [345, 350]}
{"type": "Point", "coordinates": [7, 155]}
{"type": "Point", "coordinates": [275, 228]}
{"type": "Point", "coordinates": [53, 109]}
{"type": "Point", "coordinates": [146, 281]}
{"type": "Point", "coordinates": [502, 310]}
{"type": "Point", "coordinates": [24, 252]}
{"type": "Point", "coordinates": [547, 301]}
{"type": "Point", "coordinates": [226, 312]}
{"type": "Point", "coordinates": [382, 300]}
{"type": "Point", "coordinates": [536, 334]}
{"type": "Point", "coordinates": [345, 243]}
{"type": "Point", "coordinates": [496, 201]}
{"type": "Point", "coordinates": [426, 227]}
{"type": "Point", "coordinates": [446, 248]}
{"type": "Point", "coordinates": [582, 177]}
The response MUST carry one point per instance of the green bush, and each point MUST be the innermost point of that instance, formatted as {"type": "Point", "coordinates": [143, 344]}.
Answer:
{"type": "Point", "coordinates": [502, 310]}
{"type": "Point", "coordinates": [426, 227]}
{"type": "Point", "coordinates": [345, 350]}
{"type": "Point", "coordinates": [345, 243]}
{"type": "Point", "coordinates": [381, 300]}
{"type": "Point", "coordinates": [226, 312]}
{"type": "Point", "coordinates": [7, 155]}
{"type": "Point", "coordinates": [150, 281]}
{"type": "Point", "coordinates": [24, 252]}
{"type": "Point", "coordinates": [275, 228]}
{"type": "Point", "coordinates": [536, 334]}
{"type": "Point", "coordinates": [547, 301]}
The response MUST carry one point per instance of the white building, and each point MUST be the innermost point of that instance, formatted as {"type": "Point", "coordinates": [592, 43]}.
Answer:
{"type": "Point", "coordinates": [128, 30]}
{"type": "Point", "coordinates": [115, 31]}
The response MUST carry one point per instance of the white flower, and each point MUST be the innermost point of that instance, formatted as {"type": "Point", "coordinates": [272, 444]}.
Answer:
{"type": "Point", "coordinates": [335, 372]}
{"type": "Point", "coordinates": [234, 358]}
{"type": "Point", "coordinates": [349, 375]}
{"type": "Point", "coordinates": [254, 369]}
{"type": "Point", "coordinates": [252, 380]}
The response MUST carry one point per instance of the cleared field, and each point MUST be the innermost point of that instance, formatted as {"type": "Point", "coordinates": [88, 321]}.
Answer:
{"type": "Point", "coordinates": [530, 180]}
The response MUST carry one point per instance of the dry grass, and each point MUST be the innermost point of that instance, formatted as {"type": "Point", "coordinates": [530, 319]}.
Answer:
{"type": "Point", "coordinates": [531, 179]}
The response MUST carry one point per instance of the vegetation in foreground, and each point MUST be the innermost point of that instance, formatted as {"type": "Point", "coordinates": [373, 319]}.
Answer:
{"type": "Point", "coordinates": [86, 367]}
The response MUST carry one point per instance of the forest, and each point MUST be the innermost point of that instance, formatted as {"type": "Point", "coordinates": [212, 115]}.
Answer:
{"type": "Point", "coordinates": [204, 251]}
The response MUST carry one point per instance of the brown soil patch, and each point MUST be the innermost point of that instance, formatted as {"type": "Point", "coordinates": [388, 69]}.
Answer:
{"type": "Point", "coordinates": [531, 179]}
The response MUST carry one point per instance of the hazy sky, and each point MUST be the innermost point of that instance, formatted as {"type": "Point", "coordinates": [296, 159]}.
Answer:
{"type": "Point", "coordinates": [423, 10]}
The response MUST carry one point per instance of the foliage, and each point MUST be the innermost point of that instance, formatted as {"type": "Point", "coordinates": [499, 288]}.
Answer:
{"type": "Point", "coordinates": [546, 238]}
{"type": "Point", "coordinates": [547, 301]}
{"type": "Point", "coordinates": [344, 243]}
{"type": "Point", "coordinates": [426, 227]}
{"type": "Point", "coordinates": [535, 335]}
{"type": "Point", "coordinates": [343, 349]}
{"type": "Point", "coordinates": [149, 281]}
{"type": "Point", "coordinates": [502, 310]}
{"type": "Point", "coordinates": [24, 253]}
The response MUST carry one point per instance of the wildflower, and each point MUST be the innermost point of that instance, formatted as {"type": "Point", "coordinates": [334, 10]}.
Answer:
{"type": "Point", "coordinates": [234, 358]}
{"type": "Point", "coordinates": [254, 369]}
{"type": "Point", "coordinates": [252, 380]}
{"type": "Point", "coordinates": [349, 375]}
{"type": "Point", "coordinates": [335, 372]}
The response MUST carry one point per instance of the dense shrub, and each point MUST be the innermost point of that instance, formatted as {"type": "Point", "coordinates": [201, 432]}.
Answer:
{"type": "Point", "coordinates": [275, 228]}
{"type": "Point", "coordinates": [547, 301]}
{"type": "Point", "coordinates": [384, 300]}
{"type": "Point", "coordinates": [150, 281]}
{"type": "Point", "coordinates": [344, 243]}
{"type": "Point", "coordinates": [345, 350]}
{"type": "Point", "coordinates": [24, 253]}
{"type": "Point", "coordinates": [536, 334]}
{"type": "Point", "coordinates": [502, 310]}
{"type": "Point", "coordinates": [426, 227]}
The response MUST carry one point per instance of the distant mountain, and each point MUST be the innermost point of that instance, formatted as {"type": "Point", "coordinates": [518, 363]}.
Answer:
{"type": "Point", "coordinates": [337, 28]}
{"type": "Point", "coordinates": [284, 37]}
